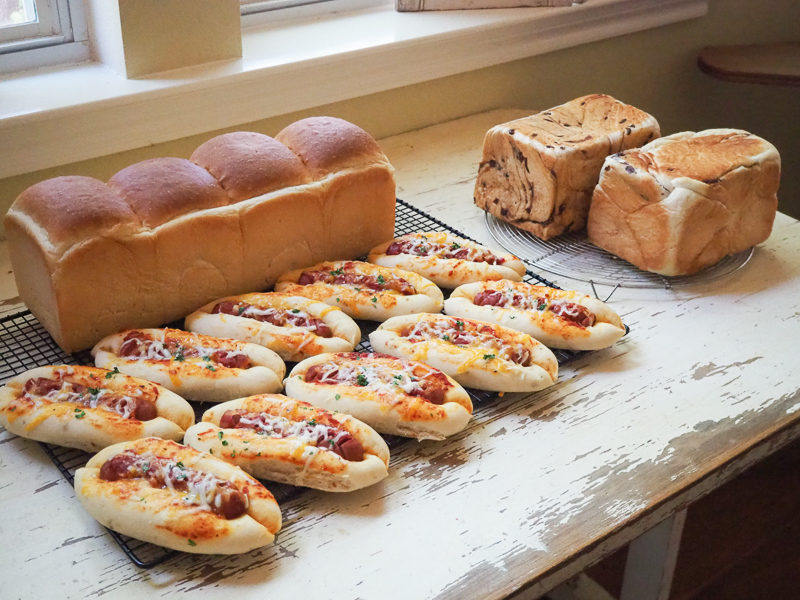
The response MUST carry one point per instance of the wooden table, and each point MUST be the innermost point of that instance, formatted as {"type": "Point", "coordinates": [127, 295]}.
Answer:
{"type": "Point", "coordinates": [535, 489]}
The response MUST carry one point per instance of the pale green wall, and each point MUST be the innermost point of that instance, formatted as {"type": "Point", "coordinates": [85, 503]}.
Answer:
{"type": "Point", "coordinates": [654, 70]}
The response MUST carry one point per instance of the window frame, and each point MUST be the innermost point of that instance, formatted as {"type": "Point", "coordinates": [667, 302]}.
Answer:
{"type": "Point", "coordinates": [292, 66]}
{"type": "Point", "coordinates": [59, 36]}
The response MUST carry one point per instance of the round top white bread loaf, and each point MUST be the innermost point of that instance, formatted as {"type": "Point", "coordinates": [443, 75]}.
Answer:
{"type": "Point", "coordinates": [168, 235]}
{"type": "Point", "coordinates": [249, 164]}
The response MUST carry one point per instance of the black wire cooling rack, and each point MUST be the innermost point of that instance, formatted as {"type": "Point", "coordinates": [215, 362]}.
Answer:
{"type": "Point", "coordinates": [24, 345]}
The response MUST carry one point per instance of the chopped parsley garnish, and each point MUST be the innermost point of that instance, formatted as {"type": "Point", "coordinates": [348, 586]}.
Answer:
{"type": "Point", "coordinates": [110, 374]}
{"type": "Point", "coordinates": [210, 367]}
{"type": "Point", "coordinates": [337, 299]}
{"type": "Point", "coordinates": [374, 299]}
{"type": "Point", "coordinates": [455, 246]}
{"type": "Point", "coordinates": [224, 442]}
{"type": "Point", "coordinates": [145, 467]}
{"type": "Point", "coordinates": [179, 464]}
{"type": "Point", "coordinates": [488, 356]}
{"type": "Point", "coordinates": [207, 358]}
{"type": "Point", "coordinates": [541, 305]}
{"type": "Point", "coordinates": [219, 434]}
{"type": "Point", "coordinates": [339, 271]}
{"type": "Point", "coordinates": [240, 310]}
{"type": "Point", "coordinates": [295, 310]}
{"type": "Point", "coordinates": [358, 289]}
{"type": "Point", "coordinates": [459, 323]}
{"type": "Point", "coordinates": [338, 396]}
{"type": "Point", "coordinates": [446, 337]}
{"type": "Point", "coordinates": [361, 379]}
{"type": "Point", "coordinates": [93, 391]}
{"type": "Point", "coordinates": [312, 422]}
{"type": "Point", "coordinates": [233, 453]}
{"type": "Point", "coordinates": [192, 542]}
{"type": "Point", "coordinates": [79, 414]}
{"type": "Point", "coordinates": [381, 280]}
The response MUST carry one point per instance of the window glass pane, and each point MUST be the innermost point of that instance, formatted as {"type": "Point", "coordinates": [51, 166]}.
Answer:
{"type": "Point", "coordinates": [17, 12]}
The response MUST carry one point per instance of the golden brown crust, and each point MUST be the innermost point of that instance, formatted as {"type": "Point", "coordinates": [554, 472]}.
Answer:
{"type": "Point", "coordinates": [535, 317]}
{"type": "Point", "coordinates": [292, 459]}
{"type": "Point", "coordinates": [291, 343]}
{"type": "Point", "coordinates": [133, 507]}
{"type": "Point", "coordinates": [448, 272]}
{"type": "Point", "coordinates": [167, 237]}
{"type": "Point", "coordinates": [196, 376]}
{"type": "Point", "coordinates": [64, 420]}
{"type": "Point", "coordinates": [328, 144]}
{"type": "Point", "coordinates": [477, 364]}
{"type": "Point", "coordinates": [361, 302]}
{"type": "Point", "coordinates": [249, 164]}
{"type": "Point", "coordinates": [72, 208]}
{"type": "Point", "coordinates": [161, 189]}
{"type": "Point", "coordinates": [384, 403]}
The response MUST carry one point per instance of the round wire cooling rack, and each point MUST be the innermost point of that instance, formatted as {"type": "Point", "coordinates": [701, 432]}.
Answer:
{"type": "Point", "coordinates": [571, 255]}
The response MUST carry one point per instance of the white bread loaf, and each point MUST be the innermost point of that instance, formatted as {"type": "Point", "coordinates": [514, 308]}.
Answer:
{"type": "Point", "coordinates": [685, 201]}
{"type": "Point", "coordinates": [168, 235]}
{"type": "Point", "coordinates": [538, 173]}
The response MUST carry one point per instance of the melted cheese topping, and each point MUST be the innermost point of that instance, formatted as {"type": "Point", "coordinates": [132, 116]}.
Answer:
{"type": "Point", "coordinates": [309, 432]}
{"type": "Point", "coordinates": [380, 378]}
{"type": "Point", "coordinates": [157, 349]}
{"type": "Point", "coordinates": [421, 244]}
{"type": "Point", "coordinates": [464, 334]}
{"type": "Point", "coordinates": [203, 489]}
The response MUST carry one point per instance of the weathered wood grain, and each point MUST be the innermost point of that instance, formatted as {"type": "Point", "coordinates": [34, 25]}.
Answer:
{"type": "Point", "coordinates": [534, 490]}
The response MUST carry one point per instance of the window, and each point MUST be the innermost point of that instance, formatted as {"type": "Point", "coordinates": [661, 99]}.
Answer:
{"type": "Point", "coordinates": [34, 23]}
{"type": "Point", "coordinates": [36, 33]}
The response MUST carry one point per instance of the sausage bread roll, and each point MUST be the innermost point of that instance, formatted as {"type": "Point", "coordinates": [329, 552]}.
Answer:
{"type": "Point", "coordinates": [198, 367]}
{"type": "Point", "coordinates": [557, 318]}
{"type": "Point", "coordinates": [292, 326]}
{"type": "Point", "coordinates": [282, 439]}
{"type": "Point", "coordinates": [446, 259]}
{"type": "Point", "coordinates": [90, 408]}
{"type": "Point", "coordinates": [363, 290]}
{"type": "Point", "coordinates": [474, 353]}
{"type": "Point", "coordinates": [174, 496]}
{"type": "Point", "coordinates": [393, 395]}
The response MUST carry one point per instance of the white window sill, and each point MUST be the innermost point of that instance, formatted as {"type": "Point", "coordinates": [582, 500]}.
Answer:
{"type": "Point", "coordinates": [61, 115]}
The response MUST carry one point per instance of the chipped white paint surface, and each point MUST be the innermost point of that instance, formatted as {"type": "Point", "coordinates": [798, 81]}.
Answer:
{"type": "Point", "coordinates": [538, 486]}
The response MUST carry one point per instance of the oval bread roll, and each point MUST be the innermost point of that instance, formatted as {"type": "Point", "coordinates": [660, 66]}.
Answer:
{"type": "Point", "coordinates": [557, 318]}
{"type": "Point", "coordinates": [446, 259]}
{"type": "Point", "coordinates": [363, 290]}
{"type": "Point", "coordinates": [191, 364]}
{"type": "Point", "coordinates": [181, 520]}
{"type": "Point", "coordinates": [286, 440]}
{"type": "Point", "coordinates": [283, 323]}
{"type": "Point", "coordinates": [90, 408]}
{"type": "Point", "coordinates": [393, 395]}
{"type": "Point", "coordinates": [474, 353]}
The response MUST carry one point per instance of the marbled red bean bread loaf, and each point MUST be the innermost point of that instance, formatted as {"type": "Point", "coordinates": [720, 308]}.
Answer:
{"type": "Point", "coordinates": [538, 173]}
